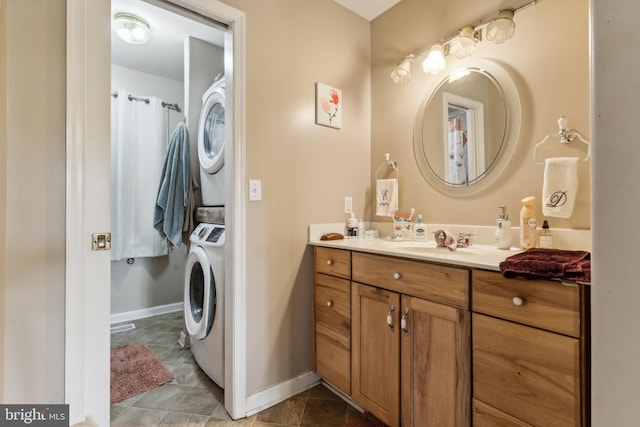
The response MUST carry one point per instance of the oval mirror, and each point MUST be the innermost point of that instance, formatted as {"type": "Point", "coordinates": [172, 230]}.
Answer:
{"type": "Point", "coordinates": [467, 127]}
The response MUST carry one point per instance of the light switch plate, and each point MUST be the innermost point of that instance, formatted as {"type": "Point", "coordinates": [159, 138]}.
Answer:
{"type": "Point", "coordinates": [255, 190]}
{"type": "Point", "coordinates": [348, 204]}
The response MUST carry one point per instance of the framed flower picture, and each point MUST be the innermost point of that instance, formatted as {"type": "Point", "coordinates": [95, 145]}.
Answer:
{"type": "Point", "coordinates": [328, 106]}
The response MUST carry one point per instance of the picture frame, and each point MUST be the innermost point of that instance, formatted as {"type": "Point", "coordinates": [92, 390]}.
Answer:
{"type": "Point", "coordinates": [328, 106]}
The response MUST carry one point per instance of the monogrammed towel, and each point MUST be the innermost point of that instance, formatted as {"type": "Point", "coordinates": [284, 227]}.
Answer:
{"type": "Point", "coordinates": [386, 197]}
{"type": "Point", "coordinates": [560, 186]}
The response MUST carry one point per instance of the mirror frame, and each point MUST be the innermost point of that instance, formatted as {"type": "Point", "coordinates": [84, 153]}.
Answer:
{"type": "Point", "coordinates": [511, 134]}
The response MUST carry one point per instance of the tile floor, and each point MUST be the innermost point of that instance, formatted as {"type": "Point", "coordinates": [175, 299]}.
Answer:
{"type": "Point", "coordinates": [193, 400]}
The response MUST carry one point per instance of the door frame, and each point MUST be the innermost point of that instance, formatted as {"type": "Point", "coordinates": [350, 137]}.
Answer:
{"type": "Point", "coordinates": [87, 282]}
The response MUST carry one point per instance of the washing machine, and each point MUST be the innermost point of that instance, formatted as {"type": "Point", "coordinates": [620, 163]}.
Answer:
{"type": "Point", "coordinates": [204, 299]}
{"type": "Point", "coordinates": [211, 141]}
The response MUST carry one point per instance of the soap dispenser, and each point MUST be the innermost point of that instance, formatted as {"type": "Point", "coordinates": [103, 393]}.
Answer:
{"type": "Point", "coordinates": [503, 230]}
{"type": "Point", "coordinates": [420, 230]}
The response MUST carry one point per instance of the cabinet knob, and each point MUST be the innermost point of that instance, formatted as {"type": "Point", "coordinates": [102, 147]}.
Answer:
{"type": "Point", "coordinates": [329, 261]}
{"type": "Point", "coordinates": [329, 303]}
{"type": "Point", "coordinates": [517, 301]}
{"type": "Point", "coordinates": [396, 275]}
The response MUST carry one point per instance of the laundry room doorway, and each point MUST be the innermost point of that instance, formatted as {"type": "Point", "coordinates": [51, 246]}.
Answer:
{"type": "Point", "coordinates": [82, 317]}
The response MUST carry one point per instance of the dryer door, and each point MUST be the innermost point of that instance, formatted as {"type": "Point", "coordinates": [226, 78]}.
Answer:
{"type": "Point", "coordinates": [211, 130]}
{"type": "Point", "coordinates": [199, 294]}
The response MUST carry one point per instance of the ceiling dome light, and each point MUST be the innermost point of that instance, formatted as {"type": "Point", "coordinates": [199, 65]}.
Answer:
{"type": "Point", "coordinates": [402, 73]}
{"type": "Point", "coordinates": [464, 44]}
{"type": "Point", "coordinates": [501, 28]}
{"type": "Point", "coordinates": [435, 62]}
{"type": "Point", "coordinates": [131, 28]}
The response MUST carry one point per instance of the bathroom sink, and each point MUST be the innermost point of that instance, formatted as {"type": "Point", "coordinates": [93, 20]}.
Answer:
{"type": "Point", "coordinates": [425, 248]}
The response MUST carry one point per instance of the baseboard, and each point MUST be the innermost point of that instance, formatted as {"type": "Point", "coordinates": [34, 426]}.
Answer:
{"type": "Point", "coordinates": [281, 392]}
{"type": "Point", "coordinates": [146, 312]}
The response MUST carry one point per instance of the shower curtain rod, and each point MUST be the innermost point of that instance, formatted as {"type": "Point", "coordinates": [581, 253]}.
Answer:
{"type": "Point", "coordinates": [174, 107]}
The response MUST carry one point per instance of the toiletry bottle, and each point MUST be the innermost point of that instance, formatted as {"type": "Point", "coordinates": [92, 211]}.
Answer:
{"type": "Point", "coordinates": [503, 230]}
{"type": "Point", "coordinates": [545, 240]}
{"type": "Point", "coordinates": [420, 230]}
{"type": "Point", "coordinates": [361, 230]}
{"type": "Point", "coordinates": [528, 237]}
{"type": "Point", "coordinates": [351, 230]}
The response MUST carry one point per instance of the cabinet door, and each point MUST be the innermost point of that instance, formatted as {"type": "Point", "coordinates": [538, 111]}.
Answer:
{"type": "Point", "coordinates": [528, 373]}
{"type": "Point", "coordinates": [436, 380]}
{"type": "Point", "coordinates": [375, 350]}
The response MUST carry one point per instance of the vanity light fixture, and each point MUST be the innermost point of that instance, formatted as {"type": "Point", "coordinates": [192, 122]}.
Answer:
{"type": "Point", "coordinates": [435, 62]}
{"type": "Point", "coordinates": [402, 72]}
{"type": "Point", "coordinates": [502, 27]}
{"type": "Point", "coordinates": [131, 28]}
{"type": "Point", "coordinates": [497, 28]}
{"type": "Point", "coordinates": [465, 43]}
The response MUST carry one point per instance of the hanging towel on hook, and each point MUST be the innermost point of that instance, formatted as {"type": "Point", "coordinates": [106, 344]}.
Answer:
{"type": "Point", "coordinates": [173, 192]}
{"type": "Point", "coordinates": [560, 186]}
{"type": "Point", "coordinates": [386, 196]}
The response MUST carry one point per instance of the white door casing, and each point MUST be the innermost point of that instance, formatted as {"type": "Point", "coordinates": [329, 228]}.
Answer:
{"type": "Point", "coordinates": [88, 208]}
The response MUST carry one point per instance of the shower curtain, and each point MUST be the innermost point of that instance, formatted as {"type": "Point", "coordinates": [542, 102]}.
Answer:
{"type": "Point", "coordinates": [138, 147]}
{"type": "Point", "coordinates": [457, 152]}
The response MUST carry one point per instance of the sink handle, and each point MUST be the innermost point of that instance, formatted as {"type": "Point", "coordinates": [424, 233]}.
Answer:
{"type": "Point", "coordinates": [390, 317]}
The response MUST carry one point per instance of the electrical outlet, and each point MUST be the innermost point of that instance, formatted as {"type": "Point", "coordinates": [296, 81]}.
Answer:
{"type": "Point", "coordinates": [348, 204]}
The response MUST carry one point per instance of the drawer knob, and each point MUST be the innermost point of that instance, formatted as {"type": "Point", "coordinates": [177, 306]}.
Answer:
{"type": "Point", "coordinates": [329, 303]}
{"type": "Point", "coordinates": [329, 262]}
{"type": "Point", "coordinates": [396, 275]}
{"type": "Point", "coordinates": [517, 301]}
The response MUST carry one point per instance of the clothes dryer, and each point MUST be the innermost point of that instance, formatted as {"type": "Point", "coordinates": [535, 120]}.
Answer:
{"type": "Point", "coordinates": [204, 299]}
{"type": "Point", "coordinates": [211, 142]}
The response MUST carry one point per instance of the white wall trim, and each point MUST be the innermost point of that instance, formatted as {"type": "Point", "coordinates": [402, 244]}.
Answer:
{"type": "Point", "coordinates": [87, 279]}
{"type": "Point", "coordinates": [280, 392]}
{"type": "Point", "coordinates": [143, 313]}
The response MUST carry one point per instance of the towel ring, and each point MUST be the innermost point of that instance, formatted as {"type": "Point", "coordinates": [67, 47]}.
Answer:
{"type": "Point", "coordinates": [566, 136]}
{"type": "Point", "coordinates": [388, 164]}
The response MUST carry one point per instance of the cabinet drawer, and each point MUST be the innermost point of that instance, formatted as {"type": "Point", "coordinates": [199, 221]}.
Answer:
{"type": "Point", "coordinates": [439, 283]}
{"type": "Point", "coordinates": [333, 358]}
{"type": "Point", "coordinates": [531, 374]}
{"type": "Point", "coordinates": [544, 304]}
{"type": "Point", "coordinates": [336, 262]}
{"type": "Point", "coordinates": [333, 304]}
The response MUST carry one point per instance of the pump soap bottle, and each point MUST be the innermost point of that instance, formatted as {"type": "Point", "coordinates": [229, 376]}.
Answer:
{"type": "Point", "coordinates": [420, 230]}
{"type": "Point", "coordinates": [503, 230]}
{"type": "Point", "coordinates": [528, 224]}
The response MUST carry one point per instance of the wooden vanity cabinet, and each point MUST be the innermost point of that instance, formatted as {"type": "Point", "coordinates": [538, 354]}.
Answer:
{"type": "Point", "coordinates": [332, 310]}
{"type": "Point", "coordinates": [410, 341]}
{"type": "Point", "coordinates": [530, 352]}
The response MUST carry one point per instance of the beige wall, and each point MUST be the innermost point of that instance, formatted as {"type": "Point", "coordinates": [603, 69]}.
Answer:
{"type": "Point", "coordinates": [306, 170]}
{"type": "Point", "coordinates": [33, 201]}
{"type": "Point", "coordinates": [3, 186]}
{"type": "Point", "coordinates": [549, 59]}
{"type": "Point", "coordinates": [615, 293]}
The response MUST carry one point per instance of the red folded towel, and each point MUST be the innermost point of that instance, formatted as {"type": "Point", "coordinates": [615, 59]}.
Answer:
{"type": "Point", "coordinates": [539, 263]}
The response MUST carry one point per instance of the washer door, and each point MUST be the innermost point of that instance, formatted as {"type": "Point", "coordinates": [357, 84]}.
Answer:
{"type": "Point", "coordinates": [199, 294]}
{"type": "Point", "coordinates": [211, 130]}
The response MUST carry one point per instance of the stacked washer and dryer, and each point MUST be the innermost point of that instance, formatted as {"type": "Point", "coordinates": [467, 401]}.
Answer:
{"type": "Point", "coordinates": [204, 275]}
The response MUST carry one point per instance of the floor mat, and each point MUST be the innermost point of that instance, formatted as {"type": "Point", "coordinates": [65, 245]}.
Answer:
{"type": "Point", "coordinates": [134, 370]}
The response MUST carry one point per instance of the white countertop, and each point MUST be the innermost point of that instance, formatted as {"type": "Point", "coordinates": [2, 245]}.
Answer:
{"type": "Point", "coordinates": [477, 256]}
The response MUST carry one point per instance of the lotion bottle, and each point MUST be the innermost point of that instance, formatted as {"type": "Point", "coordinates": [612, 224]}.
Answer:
{"type": "Point", "coordinates": [528, 224]}
{"type": "Point", "coordinates": [351, 229]}
{"type": "Point", "coordinates": [503, 230]}
{"type": "Point", "coordinates": [420, 230]}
